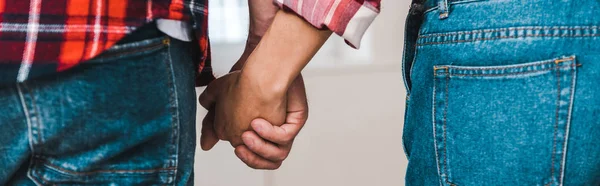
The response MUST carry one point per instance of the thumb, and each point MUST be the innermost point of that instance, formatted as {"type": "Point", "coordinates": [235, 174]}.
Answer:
{"type": "Point", "coordinates": [208, 138]}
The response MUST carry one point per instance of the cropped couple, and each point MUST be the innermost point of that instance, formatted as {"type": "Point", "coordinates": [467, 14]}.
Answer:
{"type": "Point", "coordinates": [101, 92]}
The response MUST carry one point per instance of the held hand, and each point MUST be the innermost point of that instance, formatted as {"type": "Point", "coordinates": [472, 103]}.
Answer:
{"type": "Point", "coordinates": [272, 67]}
{"type": "Point", "coordinates": [233, 102]}
{"type": "Point", "coordinates": [269, 145]}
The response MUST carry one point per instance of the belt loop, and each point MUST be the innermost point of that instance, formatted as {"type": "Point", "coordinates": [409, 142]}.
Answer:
{"type": "Point", "coordinates": [444, 9]}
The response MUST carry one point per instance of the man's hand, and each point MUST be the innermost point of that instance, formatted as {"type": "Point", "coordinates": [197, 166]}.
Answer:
{"type": "Point", "coordinates": [268, 145]}
{"type": "Point", "coordinates": [233, 102]}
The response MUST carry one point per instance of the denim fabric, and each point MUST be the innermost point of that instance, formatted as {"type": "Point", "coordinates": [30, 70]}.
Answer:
{"type": "Point", "coordinates": [504, 93]}
{"type": "Point", "coordinates": [124, 118]}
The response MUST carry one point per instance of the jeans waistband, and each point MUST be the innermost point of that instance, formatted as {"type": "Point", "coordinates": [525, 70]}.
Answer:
{"type": "Point", "coordinates": [147, 31]}
{"type": "Point", "coordinates": [433, 4]}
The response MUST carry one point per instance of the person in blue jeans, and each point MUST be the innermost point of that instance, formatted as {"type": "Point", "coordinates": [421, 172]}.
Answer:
{"type": "Point", "coordinates": [502, 92]}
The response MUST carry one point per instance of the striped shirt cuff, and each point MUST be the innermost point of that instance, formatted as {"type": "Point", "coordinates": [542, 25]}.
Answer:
{"type": "Point", "coordinates": [347, 18]}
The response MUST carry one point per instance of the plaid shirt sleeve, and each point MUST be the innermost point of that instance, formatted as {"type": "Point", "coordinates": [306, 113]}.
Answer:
{"type": "Point", "coordinates": [347, 18]}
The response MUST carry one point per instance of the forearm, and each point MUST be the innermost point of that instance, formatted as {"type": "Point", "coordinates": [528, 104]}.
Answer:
{"type": "Point", "coordinates": [284, 50]}
{"type": "Point", "coordinates": [262, 13]}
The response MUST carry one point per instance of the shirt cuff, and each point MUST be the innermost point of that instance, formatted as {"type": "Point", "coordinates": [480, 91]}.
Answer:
{"type": "Point", "coordinates": [347, 18]}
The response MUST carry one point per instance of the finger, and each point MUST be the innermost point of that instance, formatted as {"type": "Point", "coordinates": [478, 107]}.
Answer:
{"type": "Point", "coordinates": [281, 135]}
{"type": "Point", "coordinates": [297, 95]}
{"type": "Point", "coordinates": [219, 125]}
{"type": "Point", "coordinates": [208, 138]}
{"type": "Point", "coordinates": [297, 108]}
{"type": "Point", "coordinates": [253, 160]}
{"type": "Point", "coordinates": [236, 141]}
{"type": "Point", "coordinates": [264, 148]}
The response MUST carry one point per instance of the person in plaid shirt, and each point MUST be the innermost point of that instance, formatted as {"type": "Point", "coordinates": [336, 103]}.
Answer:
{"type": "Point", "coordinates": [101, 92]}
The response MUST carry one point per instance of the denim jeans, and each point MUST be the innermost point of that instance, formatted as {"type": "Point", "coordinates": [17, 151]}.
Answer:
{"type": "Point", "coordinates": [503, 92]}
{"type": "Point", "coordinates": [126, 117]}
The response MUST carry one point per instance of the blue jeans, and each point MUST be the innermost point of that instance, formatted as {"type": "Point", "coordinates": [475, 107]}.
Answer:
{"type": "Point", "coordinates": [126, 117]}
{"type": "Point", "coordinates": [503, 93]}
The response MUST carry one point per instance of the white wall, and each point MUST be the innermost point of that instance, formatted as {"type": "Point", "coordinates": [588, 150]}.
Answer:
{"type": "Point", "coordinates": [353, 135]}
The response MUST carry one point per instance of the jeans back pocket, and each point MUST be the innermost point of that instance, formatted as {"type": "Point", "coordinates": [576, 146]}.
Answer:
{"type": "Point", "coordinates": [113, 120]}
{"type": "Point", "coordinates": [503, 125]}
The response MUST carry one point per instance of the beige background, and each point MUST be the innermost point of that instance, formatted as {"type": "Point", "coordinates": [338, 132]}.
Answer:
{"type": "Point", "coordinates": [353, 135]}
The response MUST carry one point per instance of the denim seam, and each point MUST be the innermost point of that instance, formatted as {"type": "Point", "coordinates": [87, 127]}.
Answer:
{"type": "Point", "coordinates": [69, 172]}
{"type": "Point", "coordinates": [124, 51]}
{"type": "Point", "coordinates": [29, 135]}
{"type": "Point", "coordinates": [134, 51]}
{"type": "Point", "coordinates": [554, 141]}
{"type": "Point", "coordinates": [506, 29]}
{"type": "Point", "coordinates": [497, 68]}
{"type": "Point", "coordinates": [508, 67]}
{"type": "Point", "coordinates": [42, 179]}
{"type": "Point", "coordinates": [37, 117]}
{"type": "Point", "coordinates": [175, 115]}
{"type": "Point", "coordinates": [57, 168]}
{"type": "Point", "coordinates": [445, 128]}
{"type": "Point", "coordinates": [434, 113]}
{"type": "Point", "coordinates": [48, 182]}
{"type": "Point", "coordinates": [412, 66]}
{"type": "Point", "coordinates": [506, 37]}
{"type": "Point", "coordinates": [567, 128]}
{"type": "Point", "coordinates": [508, 74]}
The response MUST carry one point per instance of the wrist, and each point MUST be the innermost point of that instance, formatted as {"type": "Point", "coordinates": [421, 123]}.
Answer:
{"type": "Point", "coordinates": [287, 46]}
{"type": "Point", "coordinates": [251, 44]}
{"type": "Point", "coordinates": [268, 85]}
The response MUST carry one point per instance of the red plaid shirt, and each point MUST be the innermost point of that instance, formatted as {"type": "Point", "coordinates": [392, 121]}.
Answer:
{"type": "Point", "coordinates": [39, 37]}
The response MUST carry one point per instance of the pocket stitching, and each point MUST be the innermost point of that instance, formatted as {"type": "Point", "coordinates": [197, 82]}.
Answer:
{"type": "Point", "coordinates": [445, 70]}
{"type": "Point", "coordinates": [505, 37]}
{"type": "Point", "coordinates": [568, 124]}
{"type": "Point", "coordinates": [498, 68]}
{"type": "Point", "coordinates": [173, 162]}
{"type": "Point", "coordinates": [34, 175]}
{"type": "Point", "coordinates": [514, 73]}
{"type": "Point", "coordinates": [145, 49]}
{"type": "Point", "coordinates": [118, 171]}
{"type": "Point", "coordinates": [556, 61]}
{"type": "Point", "coordinates": [505, 29]}
{"type": "Point", "coordinates": [445, 127]}
{"type": "Point", "coordinates": [148, 45]}
{"type": "Point", "coordinates": [554, 141]}
{"type": "Point", "coordinates": [434, 112]}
